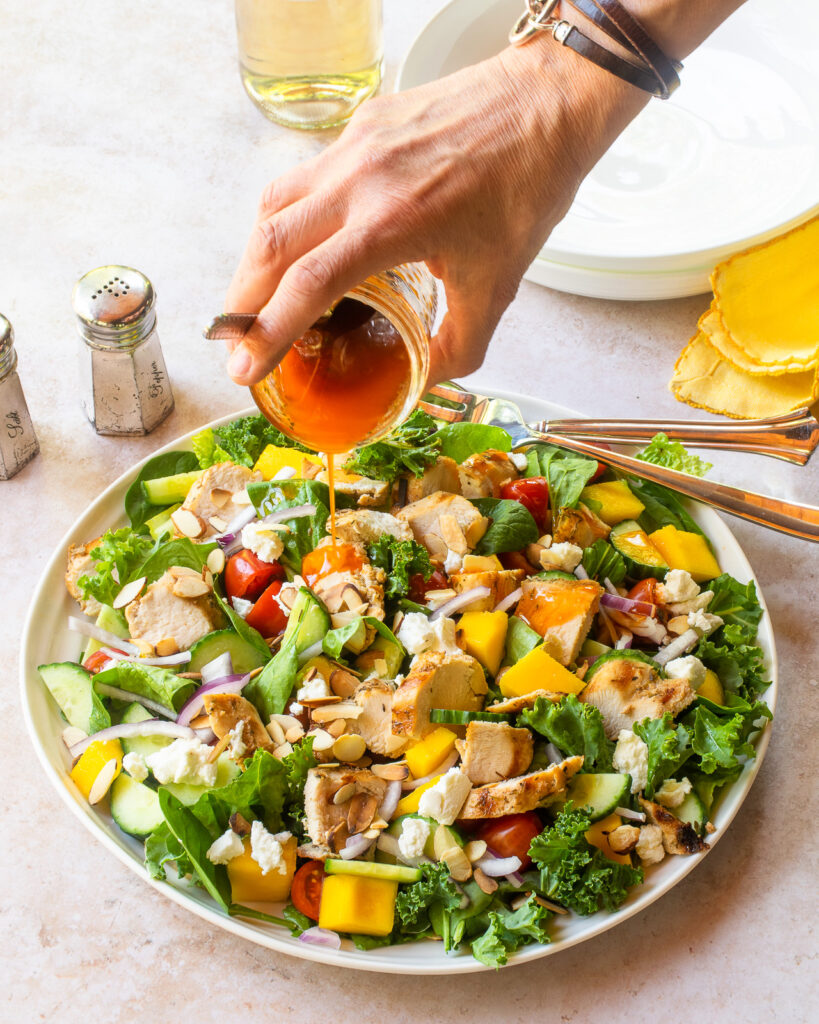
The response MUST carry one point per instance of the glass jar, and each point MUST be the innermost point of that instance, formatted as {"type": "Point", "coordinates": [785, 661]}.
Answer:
{"type": "Point", "coordinates": [341, 387]}
{"type": "Point", "coordinates": [309, 63]}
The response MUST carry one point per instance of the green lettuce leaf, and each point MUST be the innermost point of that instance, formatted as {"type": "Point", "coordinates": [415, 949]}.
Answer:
{"type": "Point", "coordinates": [739, 665]}
{"type": "Point", "coordinates": [669, 747]}
{"type": "Point", "coordinates": [512, 526]}
{"type": "Point", "coordinates": [117, 554]}
{"type": "Point", "coordinates": [261, 791]}
{"type": "Point", "coordinates": [601, 561]}
{"type": "Point", "coordinates": [148, 680]}
{"type": "Point", "coordinates": [411, 448]}
{"type": "Point", "coordinates": [296, 766]}
{"type": "Point", "coordinates": [137, 507]}
{"type": "Point", "coordinates": [672, 454]}
{"type": "Point", "coordinates": [566, 473]}
{"type": "Point", "coordinates": [195, 839]}
{"type": "Point", "coordinates": [736, 604]}
{"type": "Point", "coordinates": [460, 440]}
{"type": "Point", "coordinates": [163, 849]}
{"type": "Point", "coordinates": [574, 727]}
{"type": "Point", "coordinates": [400, 560]}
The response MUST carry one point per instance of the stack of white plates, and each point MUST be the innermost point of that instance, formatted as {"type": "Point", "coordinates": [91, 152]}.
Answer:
{"type": "Point", "coordinates": [730, 160]}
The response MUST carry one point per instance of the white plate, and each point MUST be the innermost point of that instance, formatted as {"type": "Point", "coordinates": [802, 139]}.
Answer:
{"type": "Point", "coordinates": [46, 639]}
{"type": "Point", "coordinates": [730, 160]}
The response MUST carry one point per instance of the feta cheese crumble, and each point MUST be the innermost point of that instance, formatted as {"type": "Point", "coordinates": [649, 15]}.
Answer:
{"type": "Point", "coordinates": [225, 848]}
{"type": "Point", "coordinates": [453, 562]}
{"type": "Point", "coordinates": [703, 622]}
{"type": "Point", "coordinates": [631, 758]}
{"type": "Point", "coordinates": [237, 748]}
{"type": "Point", "coordinates": [563, 556]}
{"type": "Point", "coordinates": [649, 846]}
{"type": "Point", "coordinates": [413, 838]}
{"type": "Point", "coordinates": [314, 689]}
{"type": "Point", "coordinates": [672, 793]}
{"type": "Point", "coordinates": [241, 607]}
{"type": "Point", "coordinates": [678, 585]}
{"type": "Point", "coordinates": [183, 761]}
{"type": "Point", "coordinates": [444, 800]}
{"type": "Point", "coordinates": [267, 849]}
{"type": "Point", "coordinates": [419, 635]}
{"type": "Point", "coordinates": [689, 668]}
{"type": "Point", "coordinates": [263, 540]}
{"type": "Point", "coordinates": [136, 767]}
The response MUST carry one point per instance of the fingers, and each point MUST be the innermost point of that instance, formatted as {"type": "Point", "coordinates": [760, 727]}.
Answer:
{"type": "Point", "coordinates": [304, 292]}
{"type": "Point", "coordinates": [460, 345]}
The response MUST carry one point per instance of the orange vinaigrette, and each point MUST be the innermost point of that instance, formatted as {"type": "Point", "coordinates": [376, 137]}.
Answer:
{"type": "Point", "coordinates": [331, 483]}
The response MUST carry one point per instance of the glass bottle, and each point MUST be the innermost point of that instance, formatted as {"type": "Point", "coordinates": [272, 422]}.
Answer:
{"type": "Point", "coordinates": [309, 63]}
{"type": "Point", "coordinates": [18, 442]}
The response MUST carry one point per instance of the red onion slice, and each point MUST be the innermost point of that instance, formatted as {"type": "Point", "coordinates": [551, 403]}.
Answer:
{"type": "Point", "coordinates": [580, 572]}
{"type": "Point", "coordinates": [119, 694]}
{"type": "Point", "coordinates": [455, 604]}
{"type": "Point", "coordinates": [445, 765]}
{"type": "Point", "coordinates": [193, 705]}
{"type": "Point", "coordinates": [297, 512]}
{"type": "Point", "coordinates": [682, 645]}
{"type": "Point", "coordinates": [610, 587]}
{"type": "Point", "coordinates": [355, 846]}
{"type": "Point", "coordinates": [626, 812]}
{"type": "Point", "coordinates": [101, 635]}
{"type": "Point", "coordinates": [624, 643]}
{"type": "Point", "coordinates": [628, 604]}
{"type": "Point", "coordinates": [311, 652]}
{"type": "Point", "coordinates": [509, 600]}
{"type": "Point", "coordinates": [285, 473]}
{"type": "Point", "coordinates": [552, 752]}
{"type": "Point", "coordinates": [392, 794]}
{"type": "Point", "coordinates": [180, 658]}
{"type": "Point", "coordinates": [219, 668]}
{"type": "Point", "coordinates": [321, 937]}
{"type": "Point", "coordinates": [127, 730]}
{"type": "Point", "coordinates": [494, 867]}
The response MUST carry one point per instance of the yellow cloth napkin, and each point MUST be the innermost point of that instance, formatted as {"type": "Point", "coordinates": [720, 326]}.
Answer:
{"type": "Point", "coordinates": [756, 350]}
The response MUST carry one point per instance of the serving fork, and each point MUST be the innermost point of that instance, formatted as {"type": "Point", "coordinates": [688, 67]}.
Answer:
{"type": "Point", "coordinates": [792, 437]}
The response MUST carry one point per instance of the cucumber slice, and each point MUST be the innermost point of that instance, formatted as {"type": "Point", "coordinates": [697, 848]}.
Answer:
{"type": "Point", "coordinates": [372, 869]}
{"type": "Point", "coordinates": [165, 490]}
{"type": "Point", "coordinates": [244, 656]}
{"type": "Point", "coordinates": [134, 806]}
{"type": "Point", "coordinates": [309, 620]}
{"type": "Point", "coordinates": [622, 656]}
{"type": "Point", "coordinates": [599, 794]}
{"type": "Point", "coordinates": [73, 689]}
{"type": "Point", "coordinates": [555, 574]}
{"type": "Point", "coordinates": [520, 639]}
{"type": "Point", "coordinates": [381, 650]}
{"type": "Point", "coordinates": [143, 745]}
{"type": "Point", "coordinates": [642, 557]}
{"type": "Point", "coordinates": [692, 811]}
{"type": "Point", "coordinates": [592, 649]}
{"type": "Point", "coordinates": [112, 620]}
{"type": "Point", "coordinates": [451, 716]}
{"type": "Point", "coordinates": [160, 524]}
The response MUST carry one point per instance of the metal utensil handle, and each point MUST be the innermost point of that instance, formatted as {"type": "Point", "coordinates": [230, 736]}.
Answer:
{"type": "Point", "coordinates": [792, 437]}
{"type": "Point", "coordinates": [784, 516]}
{"type": "Point", "coordinates": [229, 326]}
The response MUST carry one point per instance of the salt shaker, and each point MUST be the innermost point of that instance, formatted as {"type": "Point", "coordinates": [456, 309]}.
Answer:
{"type": "Point", "coordinates": [18, 443]}
{"type": "Point", "coordinates": [125, 384]}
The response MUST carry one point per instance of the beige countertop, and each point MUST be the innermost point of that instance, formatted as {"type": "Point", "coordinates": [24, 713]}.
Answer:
{"type": "Point", "coordinates": [126, 137]}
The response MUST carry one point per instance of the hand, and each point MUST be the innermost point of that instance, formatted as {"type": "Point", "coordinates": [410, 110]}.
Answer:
{"type": "Point", "coordinates": [468, 174]}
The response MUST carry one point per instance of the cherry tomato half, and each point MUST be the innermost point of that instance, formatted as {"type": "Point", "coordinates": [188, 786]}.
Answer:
{"type": "Point", "coordinates": [267, 615]}
{"type": "Point", "coordinates": [246, 575]}
{"type": "Point", "coordinates": [646, 590]}
{"type": "Point", "coordinates": [94, 662]}
{"type": "Point", "coordinates": [533, 493]}
{"type": "Point", "coordinates": [511, 835]}
{"type": "Point", "coordinates": [419, 587]}
{"type": "Point", "coordinates": [305, 892]}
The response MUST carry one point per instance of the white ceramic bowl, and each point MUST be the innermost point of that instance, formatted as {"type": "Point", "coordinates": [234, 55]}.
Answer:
{"type": "Point", "coordinates": [46, 639]}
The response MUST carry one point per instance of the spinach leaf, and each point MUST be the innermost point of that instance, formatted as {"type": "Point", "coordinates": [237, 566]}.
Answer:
{"type": "Point", "coordinates": [736, 604]}
{"type": "Point", "coordinates": [411, 448]}
{"type": "Point", "coordinates": [662, 508]}
{"type": "Point", "coordinates": [520, 639]}
{"type": "Point", "coordinates": [116, 555]}
{"type": "Point", "coordinates": [149, 681]}
{"type": "Point", "coordinates": [566, 473]}
{"type": "Point", "coordinates": [296, 921]}
{"type": "Point", "coordinates": [400, 560]}
{"type": "Point", "coordinates": [669, 747]}
{"type": "Point", "coordinates": [672, 454]}
{"type": "Point", "coordinates": [574, 727]}
{"type": "Point", "coordinates": [196, 840]}
{"type": "Point", "coordinates": [259, 792]}
{"type": "Point", "coordinates": [512, 526]}
{"type": "Point", "coordinates": [137, 507]}
{"type": "Point", "coordinates": [304, 533]}
{"type": "Point", "coordinates": [601, 561]}
{"type": "Point", "coordinates": [237, 910]}
{"type": "Point", "coordinates": [181, 551]}
{"type": "Point", "coordinates": [162, 848]}
{"type": "Point", "coordinates": [335, 639]}
{"type": "Point", "coordinates": [460, 440]}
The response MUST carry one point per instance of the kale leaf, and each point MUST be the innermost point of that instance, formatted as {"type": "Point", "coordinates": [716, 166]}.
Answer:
{"type": "Point", "coordinates": [241, 441]}
{"type": "Point", "coordinates": [413, 902]}
{"type": "Point", "coordinates": [736, 604]}
{"type": "Point", "coordinates": [573, 727]}
{"type": "Point", "coordinates": [669, 747]}
{"type": "Point", "coordinates": [400, 560]}
{"type": "Point", "coordinates": [411, 448]}
{"type": "Point", "coordinates": [740, 665]}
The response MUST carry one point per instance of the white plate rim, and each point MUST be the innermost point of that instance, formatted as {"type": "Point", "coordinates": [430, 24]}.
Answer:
{"type": "Point", "coordinates": [384, 959]}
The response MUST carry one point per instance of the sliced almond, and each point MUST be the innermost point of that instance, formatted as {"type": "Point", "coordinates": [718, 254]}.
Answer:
{"type": "Point", "coordinates": [339, 619]}
{"type": "Point", "coordinates": [285, 721]}
{"type": "Point", "coordinates": [256, 672]}
{"type": "Point", "coordinates": [353, 599]}
{"type": "Point", "coordinates": [435, 598]}
{"type": "Point", "coordinates": [190, 587]}
{"type": "Point", "coordinates": [554, 907]}
{"type": "Point", "coordinates": [182, 570]}
{"type": "Point", "coordinates": [678, 625]}
{"type": "Point", "coordinates": [322, 740]}
{"type": "Point", "coordinates": [146, 650]}
{"type": "Point", "coordinates": [349, 747]}
{"type": "Point", "coordinates": [394, 772]}
{"type": "Point", "coordinates": [276, 733]}
{"type": "Point", "coordinates": [71, 735]}
{"type": "Point", "coordinates": [167, 645]}
{"type": "Point", "coordinates": [102, 783]}
{"type": "Point", "coordinates": [458, 863]}
{"type": "Point", "coordinates": [380, 667]}
{"type": "Point", "coordinates": [200, 722]}
{"type": "Point", "coordinates": [283, 751]}
{"type": "Point", "coordinates": [218, 524]}
{"type": "Point", "coordinates": [130, 592]}
{"type": "Point", "coordinates": [397, 620]}
{"type": "Point", "coordinates": [216, 561]}
{"type": "Point", "coordinates": [372, 833]}
{"type": "Point", "coordinates": [394, 744]}
{"type": "Point", "coordinates": [343, 684]}
{"type": "Point", "coordinates": [188, 523]}
{"type": "Point", "coordinates": [338, 836]}
{"type": "Point", "coordinates": [361, 812]}
{"type": "Point", "coordinates": [475, 849]}
{"type": "Point", "coordinates": [241, 497]}
{"type": "Point", "coordinates": [344, 793]}
{"type": "Point", "coordinates": [318, 702]}
{"type": "Point", "coordinates": [342, 709]}
{"type": "Point", "coordinates": [484, 882]}
{"type": "Point", "coordinates": [452, 534]}
{"type": "Point", "coordinates": [218, 748]}
{"type": "Point", "coordinates": [294, 733]}
{"type": "Point", "coordinates": [219, 496]}
{"type": "Point", "coordinates": [379, 823]}
{"type": "Point", "coordinates": [337, 727]}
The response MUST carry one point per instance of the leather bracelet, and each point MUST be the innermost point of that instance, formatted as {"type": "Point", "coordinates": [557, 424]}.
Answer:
{"type": "Point", "coordinates": [651, 70]}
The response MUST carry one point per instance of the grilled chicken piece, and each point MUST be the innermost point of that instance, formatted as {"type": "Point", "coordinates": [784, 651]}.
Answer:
{"type": "Point", "coordinates": [678, 836]}
{"type": "Point", "coordinates": [80, 563]}
{"type": "Point", "coordinates": [229, 710]}
{"type": "Point", "coordinates": [501, 583]}
{"type": "Point", "coordinates": [512, 705]}
{"type": "Point", "coordinates": [213, 492]}
{"type": "Point", "coordinates": [437, 680]}
{"type": "Point", "coordinates": [494, 751]}
{"type": "Point", "coordinates": [579, 526]}
{"type": "Point", "coordinates": [158, 614]}
{"type": "Point", "coordinates": [326, 821]}
{"type": "Point", "coordinates": [432, 519]}
{"type": "Point", "coordinates": [442, 476]}
{"type": "Point", "coordinates": [627, 691]}
{"type": "Point", "coordinates": [483, 475]}
{"type": "Point", "coordinates": [374, 724]}
{"type": "Point", "coordinates": [524, 793]}
{"type": "Point", "coordinates": [364, 526]}
{"type": "Point", "coordinates": [562, 612]}
{"type": "Point", "coordinates": [368, 493]}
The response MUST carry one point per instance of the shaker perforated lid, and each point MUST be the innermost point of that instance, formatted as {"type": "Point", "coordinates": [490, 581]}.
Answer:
{"type": "Point", "coordinates": [8, 355]}
{"type": "Point", "coordinates": [114, 306]}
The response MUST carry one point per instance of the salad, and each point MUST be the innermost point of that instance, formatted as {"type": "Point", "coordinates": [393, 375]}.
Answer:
{"type": "Point", "coordinates": [499, 687]}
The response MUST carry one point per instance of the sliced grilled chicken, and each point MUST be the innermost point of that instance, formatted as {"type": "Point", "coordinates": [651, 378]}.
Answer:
{"type": "Point", "coordinates": [678, 836]}
{"type": "Point", "coordinates": [626, 691]}
{"type": "Point", "coordinates": [374, 724]}
{"type": "Point", "coordinates": [424, 518]}
{"type": "Point", "coordinates": [442, 476]}
{"type": "Point", "coordinates": [511, 705]}
{"type": "Point", "coordinates": [212, 495]}
{"type": "Point", "coordinates": [493, 751]}
{"type": "Point", "coordinates": [483, 475]}
{"type": "Point", "coordinates": [326, 813]}
{"type": "Point", "coordinates": [364, 526]}
{"type": "Point", "coordinates": [159, 614]}
{"type": "Point", "coordinates": [579, 526]}
{"type": "Point", "coordinates": [501, 583]}
{"type": "Point", "coordinates": [524, 793]}
{"type": "Point", "coordinates": [437, 680]}
{"type": "Point", "coordinates": [80, 563]}
{"type": "Point", "coordinates": [229, 710]}
{"type": "Point", "coordinates": [562, 611]}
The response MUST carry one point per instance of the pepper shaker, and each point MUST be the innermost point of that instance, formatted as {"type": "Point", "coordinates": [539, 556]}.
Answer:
{"type": "Point", "coordinates": [125, 384]}
{"type": "Point", "coordinates": [18, 442]}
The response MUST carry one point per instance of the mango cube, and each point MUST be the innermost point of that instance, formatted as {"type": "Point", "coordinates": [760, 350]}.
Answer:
{"type": "Point", "coordinates": [249, 885]}
{"type": "Point", "coordinates": [597, 836]}
{"type": "Point", "coordinates": [355, 903]}
{"type": "Point", "coordinates": [481, 563]}
{"type": "Point", "coordinates": [409, 804]}
{"type": "Point", "coordinates": [484, 637]}
{"type": "Point", "coordinates": [689, 551]}
{"type": "Point", "coordinates": [273, 460]}
{"type": "Point", "coordinates": [427, 754]}
{"type": "Point", "coordinates": [616, 499]}
{"type": "Point", "coordinates": [712, 689]}
{"type": "Point", "coordinates": [538, 670]}
{"type": "Point", "coordinates": [93, 760]}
